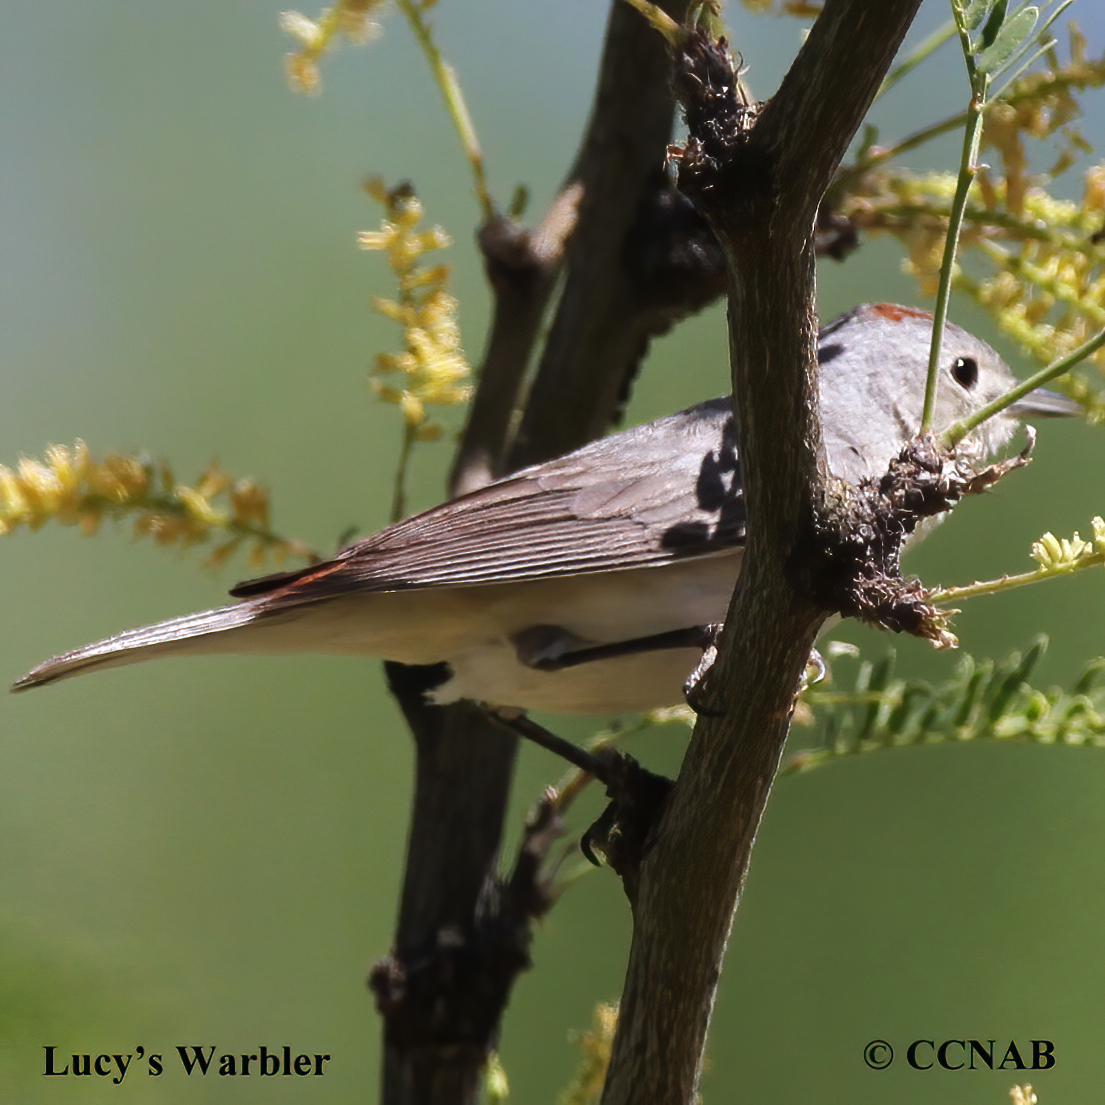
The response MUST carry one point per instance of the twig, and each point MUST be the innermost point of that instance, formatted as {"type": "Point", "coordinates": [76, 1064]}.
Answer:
{"type": "Point", "coordinates": [958, 430]}
{"type": "Point", "coordinates": [446, 77]}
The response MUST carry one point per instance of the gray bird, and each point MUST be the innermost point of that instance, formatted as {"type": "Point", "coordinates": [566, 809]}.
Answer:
{"type": "Point", "coordinates": [576, 585]}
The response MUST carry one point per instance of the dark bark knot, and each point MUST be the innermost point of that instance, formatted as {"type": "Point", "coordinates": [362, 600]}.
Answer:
{"type": "Point", "coordinates": [448, 988]}
{"type": "Point", "coordinates": [671, 256]}
{"type": "Point", "coordinates": [850, 561]}
{"type": "Point", "coordinates": [717, 157]}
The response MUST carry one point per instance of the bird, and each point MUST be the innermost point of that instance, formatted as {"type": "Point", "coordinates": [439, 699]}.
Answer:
{"type": "Point", "coordinates": [580, 585]}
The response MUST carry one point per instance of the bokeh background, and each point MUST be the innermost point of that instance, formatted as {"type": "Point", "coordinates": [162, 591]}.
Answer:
{"type": "Point", "coordinates": [208, 852]}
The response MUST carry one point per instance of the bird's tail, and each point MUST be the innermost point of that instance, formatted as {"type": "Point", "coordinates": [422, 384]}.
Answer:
{"type": "Point", "coordinates": [195, 633]}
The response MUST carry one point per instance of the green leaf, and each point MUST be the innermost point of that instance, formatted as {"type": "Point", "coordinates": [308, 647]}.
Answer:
{"type": "Point", "coordinates": [1010, 677]}
{"type": "Point", "coordinates": [1091, 678]}
{"type": "Point", "coordinates": [1012, 36]}
{"type": "Point", "coordinates": [973, 13]}
{"type": "Point", "coordinates": [982, 701]}
{"type": "Point", "coordinates": [994, 23]}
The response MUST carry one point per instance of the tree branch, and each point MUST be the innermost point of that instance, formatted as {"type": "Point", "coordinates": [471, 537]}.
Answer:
{"type": "Point", "coordinates": [522, 266]}
{"type": "Point", "coordinates": [601, 330]}
{"type": "Point", "coordinates": [757, 174]}
{"type": "Point", "coordinates": [435, 1041]}
{"type": "Point", "coordinates": [442, 988]}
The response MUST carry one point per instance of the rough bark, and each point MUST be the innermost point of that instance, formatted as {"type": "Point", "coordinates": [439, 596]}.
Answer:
{"type": "Point", "coordinates": [604, 317]}
{"type": "Point", "coordinates": [757, 175]}
{"type": "Point", "coordinates": [443, 985]}
{"type": "Point", "coordinates": [437, 1036]}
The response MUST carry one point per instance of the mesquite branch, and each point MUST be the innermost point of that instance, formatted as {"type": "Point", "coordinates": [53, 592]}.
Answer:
{"type": "Point", "coordinates": [757, 174]}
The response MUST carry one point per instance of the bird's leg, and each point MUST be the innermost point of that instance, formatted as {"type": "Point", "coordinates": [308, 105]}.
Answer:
{"type": "Point", "coordinates": [594, 763]}
{"type": "Point", "coordinates": [622, 831]}
{"type": "Point", "coordinates": [598, 834]}
{"type": "Point", "coordinates": [637, 796]}
{"type": "Point", "coordinates": [551, 648]}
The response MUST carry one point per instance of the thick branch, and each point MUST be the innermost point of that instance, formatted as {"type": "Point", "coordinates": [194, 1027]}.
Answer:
{"type": "Point", "coordinates": [813, 117]}
{"type": "Point", "coordinates": [600, 330]}
{"type": "Point", "coordinates": [758, 178]}
{"type": "Point", "coordinates": [436, 1027]}
{"type": "Point", "coordinates": [522, 267]}
{"type": "Point", "coordinates": [435, 1055]}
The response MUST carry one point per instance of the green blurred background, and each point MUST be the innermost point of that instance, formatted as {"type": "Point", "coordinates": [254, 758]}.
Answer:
{"type": "Point", "coordinates": [209, 852]}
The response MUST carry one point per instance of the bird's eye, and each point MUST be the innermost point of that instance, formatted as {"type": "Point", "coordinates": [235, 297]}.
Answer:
{"type": "Point", "coordinates": [965, 371]}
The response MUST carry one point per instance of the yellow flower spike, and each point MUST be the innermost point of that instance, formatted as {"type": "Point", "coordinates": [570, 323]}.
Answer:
{"type": "Point", "coordinates": [403, 256]}
{"type": "Point", "coordinates": [1076, 547]}
{"type": "Point", "coordinates": [88, 521]}
{"type": "Point", "coordinates": [1035, 313]}
{"type": "Point", "coordinates": [18, 507]}
{"type": "Point", "coordinates": [429, 431]}
{"type": "Point", "coordinates": [403, 313]}
{"type": "Point", "coordinates": [594, 1046]}
{"type": "Point", "coordinates": [35, 478]}
{"type": "Point", "coordinates": [302, 73]}
{"type": "Point", "coordinates": [407, 210]}
{"type": "Point", "coordinates": [113, 478]}
{"type": "Point", "coordinates": [221, 553]}
{"type": "Point", "coordinates": [412, 409]}
{"type": "Point", "coordinates": [395, 362]}
{"type": "Point", "coordinates": [439, 304]}
{"type": "Point", "coordinates": [428, 278]}
{"type": "Point", "coordinates": [432, 367]}
{"type": "Point", "coordinates": [435, 238]}
{"type": "Point", "coordinates": [1098, 524]}
{"type": "Point", "coordinates": [446, 337]}
{"type": "Point", "coordinates": [1047, 551]}
{"type": "Point", "coordinates": [305, 31]}
{"type": "Point", "coordinates": [420, 343]}
{"type": "Point", "coordinates": [207, 486]}
{"type": "Point", "coordinates": [250, 504]}
{"type": "Point", "coordinates": [82, 459]}
{"type": "Point", "coordinates": [60, 463]}
{"type": "Point", "coordinates": [376, 239]}
{"type": "Point", "coordinates": [195, 505]}
{"type": "Point", "coordinates": [72, 488]}
{"type": "Point", "coordinates": [347, 18]}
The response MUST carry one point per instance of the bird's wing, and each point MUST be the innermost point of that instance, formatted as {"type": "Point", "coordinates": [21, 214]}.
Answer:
{"type": "Point", "coordinates": [648, 496]}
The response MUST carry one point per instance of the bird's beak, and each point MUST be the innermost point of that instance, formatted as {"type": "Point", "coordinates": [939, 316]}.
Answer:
{"type": "Point", "coordinates": [1042, 403]}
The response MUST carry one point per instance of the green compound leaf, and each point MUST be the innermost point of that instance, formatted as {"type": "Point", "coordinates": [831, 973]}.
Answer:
{"type": "Point", "coordinates": [994, 22]}
{"type": "Point", "coordinates": [982, 701]}
{"type": "Point", "coordinates": [1012, 37]}
{"type": "Point", "coordinates": [972, 15]}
